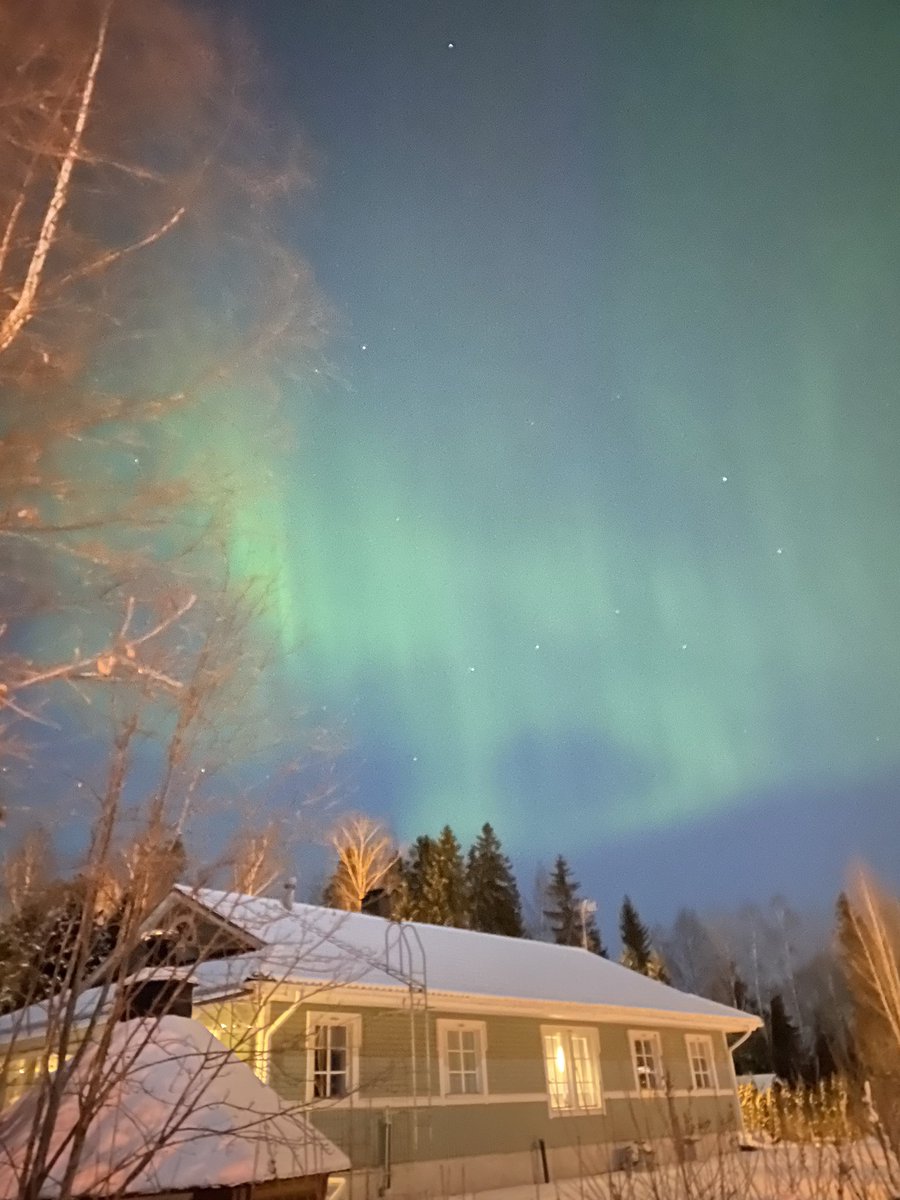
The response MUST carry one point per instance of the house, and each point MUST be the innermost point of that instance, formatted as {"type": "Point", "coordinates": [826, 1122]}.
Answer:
{"type": "Point", "coordinates": [444, 1060]}
{"type": "Point", "coordinates": [178, 1116]}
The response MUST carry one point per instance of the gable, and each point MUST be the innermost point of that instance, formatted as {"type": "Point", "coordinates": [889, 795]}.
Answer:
{"type": "Point", "coordinates": [182, 931]}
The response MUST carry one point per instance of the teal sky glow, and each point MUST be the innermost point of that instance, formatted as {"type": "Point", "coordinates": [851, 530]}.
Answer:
{"type": "Point", "coordinates": [603, 522]}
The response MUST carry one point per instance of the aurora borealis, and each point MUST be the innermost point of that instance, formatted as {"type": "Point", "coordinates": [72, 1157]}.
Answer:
{"type": "Point", "coordinates": [593, 532]}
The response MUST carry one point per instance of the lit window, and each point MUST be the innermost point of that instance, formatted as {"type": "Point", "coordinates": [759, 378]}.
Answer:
{"type": "Point", "coordinates": [461, 1051]}
{"type": "Point", "coordinates": [646, 1054]}
{"type": "Point", "coordinates": [572, 1067]}
{"type": "Point", "coordinates": [700, 1056]}
{"type": "Point", "coordinates": [333, 1055]}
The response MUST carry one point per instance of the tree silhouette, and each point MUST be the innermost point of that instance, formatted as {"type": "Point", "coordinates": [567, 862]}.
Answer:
{"type": "Point", "coordinates": [496, 906]}
{"type": "Point", "coordinates": [573, 923]}
{"type": "Point", "coordinates": [787, 1048]}
{"type": "Point", "coordinates": [435, 879]}
{"type": "Point", "coordinates": [637, 949]}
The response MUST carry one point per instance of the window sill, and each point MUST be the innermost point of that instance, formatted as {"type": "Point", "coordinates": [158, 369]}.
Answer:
{"type": "Point", "coordinates": [595, 1111]}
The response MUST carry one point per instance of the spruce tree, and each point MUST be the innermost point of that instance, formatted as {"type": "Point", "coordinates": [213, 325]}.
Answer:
{"type": "Point", "coordinates": [787, 1049]}
{"type": "Point", "coordinates": [435, 877]}
{"type": "Point", "coordinates": [637, 952]}
{"type": "Point", "coordinates": [562, 906]}
{"type": "Point", "coordinates": [496, 906]}
{"type": "Point", "coordinates": [569, 919]}
{"type": "Point", "coordinates": [414, 869]}
{"type": "Point", "coordinates": [592, 938]}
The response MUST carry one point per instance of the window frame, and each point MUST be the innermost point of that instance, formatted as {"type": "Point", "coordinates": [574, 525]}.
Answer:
{"type": "Point", "coordinates": [592, 1036]}
{"type": "Point", "coordinates": [652, 1036]}
{"type": "Point", "coordinates": [706, 1042]}
{"type": "Point", "coordinates": [446, 1026]}
{"type": "Point", "coordinates": [352, 1022]}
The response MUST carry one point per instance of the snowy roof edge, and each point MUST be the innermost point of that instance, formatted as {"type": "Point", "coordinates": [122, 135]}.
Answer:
{"type": "Point", "coordinates": [707, 1011]}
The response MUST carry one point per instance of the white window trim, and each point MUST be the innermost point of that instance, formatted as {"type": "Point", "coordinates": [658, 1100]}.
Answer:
{"type": "Point", "coordinates": [445, 1026]}
{"type": "Point", "coordinates": [353, 1023]}
{"type": "Point", "coordinates": [706, 1041]}
{"type": "Point", "coordinates": [650, 1035]}
{"type": "Point", "coordinates": [593, 1038]}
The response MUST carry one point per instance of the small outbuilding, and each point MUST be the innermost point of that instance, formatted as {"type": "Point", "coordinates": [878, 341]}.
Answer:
{"type": "Point", "coordinates": [177, 1115]}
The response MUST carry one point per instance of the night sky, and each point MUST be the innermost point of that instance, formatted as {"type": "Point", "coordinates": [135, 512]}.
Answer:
{"type": "Point", "coordinates": [592, 529]}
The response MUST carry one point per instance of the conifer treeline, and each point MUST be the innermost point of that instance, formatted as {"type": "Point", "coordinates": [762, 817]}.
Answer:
{"type": "Point", "coordinates": [436, 882]}
{"type": "Point", "coordinates": [440, 885]}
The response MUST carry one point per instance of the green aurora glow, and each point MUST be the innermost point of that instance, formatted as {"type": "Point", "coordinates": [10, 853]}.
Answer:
{"type": "Point", "coordinates": [562, 363]}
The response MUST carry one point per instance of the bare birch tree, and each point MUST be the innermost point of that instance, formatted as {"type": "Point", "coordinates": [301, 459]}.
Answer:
{"type": "Point", "coordinates": [366, 857]}
{"type": "Point", "coordinates": [869, 934]}
{"type": "Point", "coordinates": [142, 286]}
{"type": "Point", "coordinates": [258, 856]}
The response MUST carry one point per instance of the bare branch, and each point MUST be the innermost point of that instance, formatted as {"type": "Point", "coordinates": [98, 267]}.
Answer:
{"type": "Point", "coordinates": [113, 256]}
{"type": "Point", "coordinates": [22, 310]}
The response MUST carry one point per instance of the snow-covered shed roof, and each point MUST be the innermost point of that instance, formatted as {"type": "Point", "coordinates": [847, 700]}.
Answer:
{"type": "Point", "coordinates": [309, 944]}
{"type": "Point", "coordinates": [177, 1090]}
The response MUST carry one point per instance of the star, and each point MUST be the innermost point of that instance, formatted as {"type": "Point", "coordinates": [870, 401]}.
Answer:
{"type": "Point", "coordinates": [449, 45]}
{"type": "Point", "coordinates": [724, 477]}
{"type": "Point", "coordinates": [684, 645]}
{"type": "Point", "coordinates": [537, 645]}
{"type": "Point", "coordinates": [471, 668]}
{"type": "Point", "coordinates": [780, 550]}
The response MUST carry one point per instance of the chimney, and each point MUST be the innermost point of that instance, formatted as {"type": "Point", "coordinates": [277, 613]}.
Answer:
{"type": "Point", "coordinates": [288, 892]}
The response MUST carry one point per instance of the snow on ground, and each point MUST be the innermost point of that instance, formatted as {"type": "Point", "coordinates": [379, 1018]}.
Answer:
{"type": "Point", "coordinates": [771, 1173]}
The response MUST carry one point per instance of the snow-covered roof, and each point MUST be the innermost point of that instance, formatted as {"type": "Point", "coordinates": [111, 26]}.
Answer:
{"type": "Point", "coordinates": [171, 1083]}
{"type": "Point", "coordinates": [212, 978]}
{"type": "Point", "coordinates": [306, 943]}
